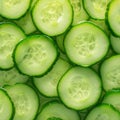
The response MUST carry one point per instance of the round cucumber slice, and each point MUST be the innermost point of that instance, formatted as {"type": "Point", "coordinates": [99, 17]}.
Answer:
{"type": "Point", "coordinates": [25, 100]}
{"type": "Point", "coordinates": [103, 112]}
{"type": "Point", "coordinates": [54, 110]}
{"type": "Point", "coordinates": [35, 55]}
{"type": "Point", "coordinates": [6, 106]}
{"type": "Point", "coordinates": [52, 17]}
{"type": "Point", "coordinates": [85, 44]}
{"type": "Point", "coordinates": [79, 88]}
{"type": "Point", "coordinates": [10, 35]}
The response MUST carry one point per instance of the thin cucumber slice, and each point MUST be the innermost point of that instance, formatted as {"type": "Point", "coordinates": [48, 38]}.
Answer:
{"type": "Point", "coordinates": [6, 106]}
{"type": "Point", "coordinates": [12, 76]}
{"type": "Point", "coordinates": [25, 100]}
{"type": "Point", "coordinates": [10, 35]}
{"type": "Point", "coordinates": [35, 55]}
{"type": "Point", "coordinates": [113, 16]}
{"type": "Point", "coordinates": [79, 12]}
{"type": "Point", "coordinates": [85, 44]}
{"type": "Point", "coordinates": [59, 41]}
{"type": "Point", "coordinates": [115, 43]}
{"type": "Point", "coordinates": [57, 111]}
{"type": "Point", "coordinates": [64, 57]}
{"type": "Point", "coordinates": [44, 100]}
{"type": "Point", "coordinates": [103, 112]}
{"type": "Point", "coordinates": [102, 24]}
{"type": "Point", "coordinates": [79, 88]}
{"type": "Point", "coordinates": [110, 72]}
{"type": "Point", "coordinates": [113, 98]}
{"type": "Point", "coordinates": [26, 23]}
{"type": "Point", "coordinates": [47, 85]}
{"type": "Point", "coordinates": [14, 9]}
{"type": "Point", "coordinates": [96, 8]}
{"type": "Point", "coordinates": [52, 17]}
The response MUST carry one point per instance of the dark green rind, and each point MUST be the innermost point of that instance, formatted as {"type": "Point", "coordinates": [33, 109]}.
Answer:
{"type": "Point", "coordinates": [102, 104]}
{"type": "Point", "coordinates": [89, 13]}
{"type": "Point", "coordinates": [5, 17]}
{"type": "Point", "coordinates": [50, 39]}
{"type": "Point", "coordinates": [32, 9]}
{"type": "Point", "coordinates": [107, 22]}
{"type": "Point", "coordinates": [10, 22]}
{"type": "Point", "coordinates": [38, 99]}
{"type": "Point", "coordinates": [13, 107]}
{"type": "Point", "coordinates": [89, 107]}
{"type": "Point", "coordinates": [110, 92]}
{"type": "Point", "coordinates": [54, 102]}
{"type": "Point", "coordinates": [96, 60]}
{"type": "Point", "coordinates": [99, 72]}
{"type": "Point", "coordinates": [33, 82]}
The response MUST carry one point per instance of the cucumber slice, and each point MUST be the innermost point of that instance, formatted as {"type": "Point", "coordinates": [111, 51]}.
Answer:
{"type": "Point", "coordinates": [110, 73]}
{"type": "Point", "coordinates": [102, 24]}
{"type": "Point", "coordinates": [52, 17]}
{"type": "Point", "coordinates": [47, 85]}
{"type": "Point", "coordinates": [113, 98]}
{"type": "Point", "coordinates": [79, 12]}
{"type": "Point", "coordinates": [57, 111]}
{"type": "Point", "coordinates": [96, 8]}
{"type": "Point", "coordinates": [25, 100]}
{"type": "Point", "coordinates": [12, 76]}
{"type": "Point", "coordinates": [103, 112]}
{"type": "Point", "coordinates": [115, 43]}
{"type": "Point", "coordinates": [59, 41]}
{"type": "Point", "coordinates": [113, 16]}
{"type": "Point", "coordinates": [14, 9]}
{"type": "Point", "coordinates": [26, 23]}
{"type": "Point", "coordinates": [85, 44]}
{"type": "Point", "coordinates": [79, 88]}
{"type": "Point", "coordinates": [35, 55]}
{"type": "Point", "coordinates": [10, 35]}
{"type": "Point", "coordinates": [6, 106]}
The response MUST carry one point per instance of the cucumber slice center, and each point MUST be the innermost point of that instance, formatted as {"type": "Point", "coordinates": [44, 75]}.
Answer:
{"type": "Point", "coordinates": [114, 76]}
{"type": "Point", "coordinates": [35, 52]}
{"type": "Point", "coordinates": [79, 88]}
{"type": "Point", "coordinates": [21, 103]}
{"type": "Point", "coordinates": [52, 13]}
{"type": "Point", "coordinates": [84, 44]}
{"type": "Point", "coordinates": [7, 43]}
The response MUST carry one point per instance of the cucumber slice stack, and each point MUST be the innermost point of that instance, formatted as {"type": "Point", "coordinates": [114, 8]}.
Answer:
{"type": "Point", "coordinates": [59, 59]}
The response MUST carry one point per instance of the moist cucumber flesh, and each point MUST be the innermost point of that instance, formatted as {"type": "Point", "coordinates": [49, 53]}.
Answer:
{"type": "Point", "coordinates": [52, 17]}
{"type": "Point", "coordinates": [47, 85]}
{"type": "Point", "coordinates": [110, 73]}
{"type": "Point", "coordinates": [96, 8]}
{"type": "Point", "coordinates": [113, 17]}
{"type": "Point", "coordinates": [6, 106]}
{"type": "Point", "coordinates": [10, 35]}
{"type": "Point", "coordinates": [35, 55]}
{"type": "Point", "coordinates": [103, 112]}
{"type": "Point", "coordinates": [56, 111]}
{"type": "Point", "coordinates": [25, 100]}
{"type": "Point", "coordinates": [13, 9]}
{"type": "Point", "coordinates": [76, 88]}
{"type": "Point", "coordinates": [85, 44]}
